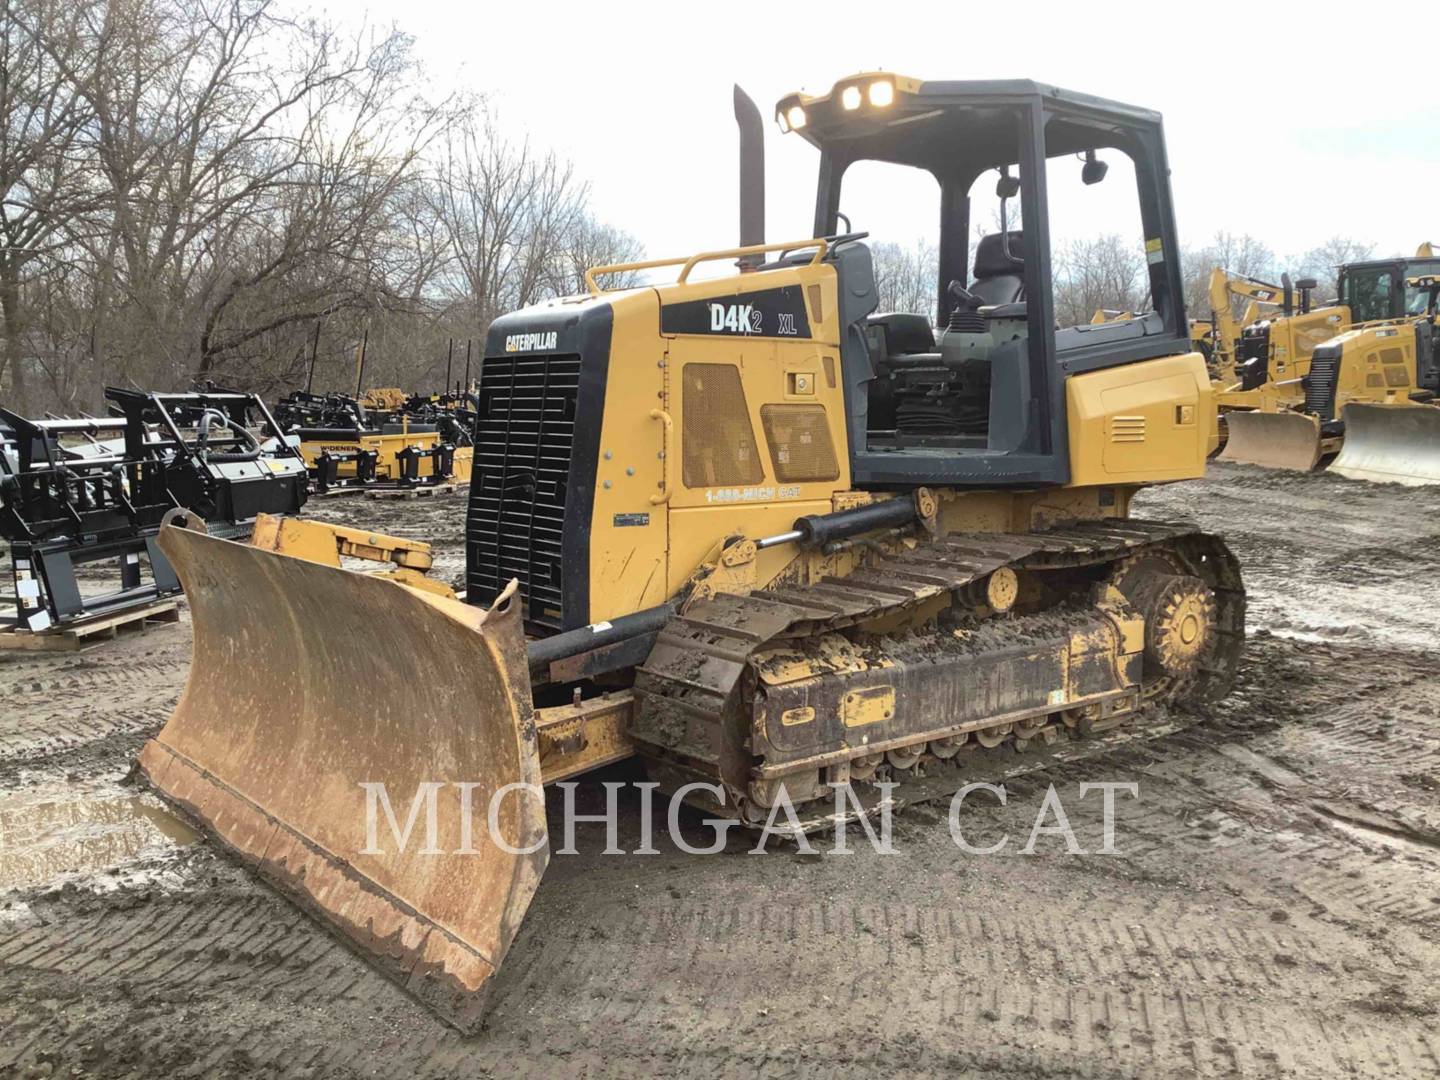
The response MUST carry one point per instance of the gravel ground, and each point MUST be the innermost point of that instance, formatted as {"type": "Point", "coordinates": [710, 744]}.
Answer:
{"type": "Point", "coordinates": [1274, 909]}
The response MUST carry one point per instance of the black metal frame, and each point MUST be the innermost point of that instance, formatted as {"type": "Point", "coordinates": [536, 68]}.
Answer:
{"type": "Point", "coordinates": [64, 507]}
{"type": "Point", "coordinates": [407, 463]}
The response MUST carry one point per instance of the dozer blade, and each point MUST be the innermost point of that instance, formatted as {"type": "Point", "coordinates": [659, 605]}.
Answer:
{"type": "Point", "coordinates": [1397, 444]}
{"type": "Point", "coordinates": [1283, 440]}
{"type": "Point", "coordinates": [307, 681]}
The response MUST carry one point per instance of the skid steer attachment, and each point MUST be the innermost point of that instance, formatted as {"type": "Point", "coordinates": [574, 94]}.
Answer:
{"type": "Point", "coordinates": [1397, 444]}
{"type": "Point", "coordinates": [302, 689]}
{"type": "Point", "coordinates": [1279, 440]}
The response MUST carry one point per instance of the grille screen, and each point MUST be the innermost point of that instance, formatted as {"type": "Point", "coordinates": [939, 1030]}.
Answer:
{"type": "Point", "coordinates": [718, 441]}
{"type": "Point", "coordinates": [800, 446]}
{"type": "Point", "coordinates": [1320, 384]}
{"type": "Point", "coordinates": [523, 438]}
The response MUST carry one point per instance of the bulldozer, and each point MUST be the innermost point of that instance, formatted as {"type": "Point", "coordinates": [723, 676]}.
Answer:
{"type": "Point", "coordinates": [1265, 415]}
{"type": "Point", "coordinates": [783, 549]}
{"type": "Point", "coordinates": [1383, 379]}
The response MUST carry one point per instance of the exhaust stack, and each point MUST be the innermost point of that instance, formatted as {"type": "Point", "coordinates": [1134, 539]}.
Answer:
{"type": "Point", "coordinates": [752, 176]}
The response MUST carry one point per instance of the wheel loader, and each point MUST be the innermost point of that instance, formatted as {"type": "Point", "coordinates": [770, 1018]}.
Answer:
{"type": "Point", "coordinates": [1265, 415]}
{"type": "Point", "coordinates": [744, 527]}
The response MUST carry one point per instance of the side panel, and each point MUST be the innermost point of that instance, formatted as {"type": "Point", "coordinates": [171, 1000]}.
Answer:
{"type": "Point", "coordinates": [628, 531]}
{"type": "Point", "coordinates": [758, 406]}
{"type": "Point", "coordinates": [1140, 422]}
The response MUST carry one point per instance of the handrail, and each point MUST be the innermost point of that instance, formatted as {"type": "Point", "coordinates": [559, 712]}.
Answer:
{"type": "Point", "coordinates": [687, 264]}
{"type": "Point", "coordinates": [667, 477]}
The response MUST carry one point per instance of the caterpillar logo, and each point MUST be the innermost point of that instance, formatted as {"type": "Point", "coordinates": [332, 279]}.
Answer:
{"type": "Point", "coordinates": [735, 318]}
{"type": "Point", "coordinates": [530, 342]}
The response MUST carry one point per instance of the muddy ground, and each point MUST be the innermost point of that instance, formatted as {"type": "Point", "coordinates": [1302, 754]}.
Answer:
{"type": "Point", "coordinates": [1274, 909]}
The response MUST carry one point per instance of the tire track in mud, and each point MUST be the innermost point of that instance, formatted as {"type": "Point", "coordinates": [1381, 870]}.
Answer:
{"type": "Point", "coordinates": [1321, 554]}
{"type": "Point", "coordinates": [1142, 966]}
{"type": "Point", "coordinates": [58, 702]}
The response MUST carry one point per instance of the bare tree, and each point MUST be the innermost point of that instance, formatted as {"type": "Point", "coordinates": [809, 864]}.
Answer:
{"type": "Point", "coordinates": [905, 277]}
{"type": "Point", "coordinates": [49, 58]}
{"type": "Point", "coordinates": [589, 244]}
{"type": "Point", "coordinates": [1323, 261]}
{"type": "Point", "coordinates": [1105, 272]}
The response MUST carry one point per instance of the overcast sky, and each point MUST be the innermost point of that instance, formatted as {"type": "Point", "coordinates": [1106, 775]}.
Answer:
{"type": "Point", "coordinates": [1287, 137]}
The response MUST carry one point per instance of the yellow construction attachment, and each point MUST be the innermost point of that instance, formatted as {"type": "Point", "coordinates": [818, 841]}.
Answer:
{"type": "Point", "coordinates": [1398, 444]}
{"type": "Point", "coordinates": [1276, 440]}
{"type": "Point", "coordinates": [320, 542]}
{"type": "Point", "coordinates": [308, 682]}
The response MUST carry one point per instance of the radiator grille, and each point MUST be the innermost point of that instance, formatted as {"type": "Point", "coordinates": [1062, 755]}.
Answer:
{"type": "Point", "coordinates": [523, 440]}
{"type": "Point", "coordinates": [1320, 384]}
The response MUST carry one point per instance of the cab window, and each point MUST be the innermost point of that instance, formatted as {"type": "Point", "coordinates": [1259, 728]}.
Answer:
{"type": "Point", "coordinates": [1368, 294]}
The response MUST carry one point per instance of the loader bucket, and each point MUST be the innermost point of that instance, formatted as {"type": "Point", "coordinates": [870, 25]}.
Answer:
{"type": "Point", "coordinates": [1397, 444]}
{"type": "Point", "coordinates": [308, 680]}
{"type": "Point", "coordinates": [1283, 440]}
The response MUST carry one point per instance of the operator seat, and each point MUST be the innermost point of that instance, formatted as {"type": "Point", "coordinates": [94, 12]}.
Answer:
{"type": "Point", "coordinates": [1000, 279]}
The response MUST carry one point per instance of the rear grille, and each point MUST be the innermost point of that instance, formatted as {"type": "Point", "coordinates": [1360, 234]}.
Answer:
{"type": "Point", "coordinates": [523, 441]}
{"type": "Point", "coordinates": [1321, 383]}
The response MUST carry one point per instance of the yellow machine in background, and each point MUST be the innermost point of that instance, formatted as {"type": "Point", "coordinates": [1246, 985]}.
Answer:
{"type": "Point", "coordinates": [1225, 329]}
{"type": "Point", "coordinates": [384, 398]}
{"type": "Point", "coordinates": [387, 454]}
{"type": "Point", "coordinates": [1381, 380]}
{"type": "Point", "coordinates": [1218, 337]}
{"type": "Point", "coordinates": [744, 528]}
{"type": "Point", "coordinates": [1292, 421]}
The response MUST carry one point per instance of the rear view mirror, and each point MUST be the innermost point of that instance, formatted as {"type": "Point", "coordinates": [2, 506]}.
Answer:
{"type": "Point", "coordinates": [1007, 187]}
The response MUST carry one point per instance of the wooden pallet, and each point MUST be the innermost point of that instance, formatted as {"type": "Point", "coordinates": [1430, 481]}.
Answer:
{"type": "Point", "coordinates": [71, 637]}
{"type": "Point", "coordinates": [412, 492]}
{"type": "Point", "coordinates": [339, 492]}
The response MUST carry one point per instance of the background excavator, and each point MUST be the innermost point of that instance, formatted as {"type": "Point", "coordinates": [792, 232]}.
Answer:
{"type": "Point", "coordinates": [743, 528]}
{"type": "Point", "coordinates": [1269, 415]}
{"type": "Point", "coordinates": [1218, 337]}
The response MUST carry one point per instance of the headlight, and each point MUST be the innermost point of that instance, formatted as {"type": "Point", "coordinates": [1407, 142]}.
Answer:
{"type": "Point", "coordinates": [796, 116]}
{"type": "Point", "coordinates": [882, 93]}
{"type": "Point", "coordinates": [780, 119]}
{"type": "Point", "coordinates": [850, 97]}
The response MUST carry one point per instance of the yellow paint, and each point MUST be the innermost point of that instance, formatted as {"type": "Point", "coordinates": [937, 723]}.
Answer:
{"type": "Point", "coordinates": [868, 706]}
{"type": "Point", "coordinates": [1130, 422]}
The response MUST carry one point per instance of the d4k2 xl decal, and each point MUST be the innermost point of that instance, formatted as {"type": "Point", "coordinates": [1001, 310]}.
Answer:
{"type": "Point", "coordinates": [765, 313]}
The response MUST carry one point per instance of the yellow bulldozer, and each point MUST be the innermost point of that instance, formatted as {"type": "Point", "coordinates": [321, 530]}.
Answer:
{"type": "Point", "coordinates": [1265, 414]}
{"type": "Point", "coordinates": [773, 544]}
{"type": "Point", "coordinates": [1369, 397]}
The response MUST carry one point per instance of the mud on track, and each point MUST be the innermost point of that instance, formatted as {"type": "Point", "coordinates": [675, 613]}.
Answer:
{"type": "Point", "coordinates": [1274, 911]}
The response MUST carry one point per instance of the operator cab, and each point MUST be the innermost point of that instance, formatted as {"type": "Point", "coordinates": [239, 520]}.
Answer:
{"type": "Point", "coordinates": [973, 390]}
{"type": "Point", "coordinates": [1383, 288]}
